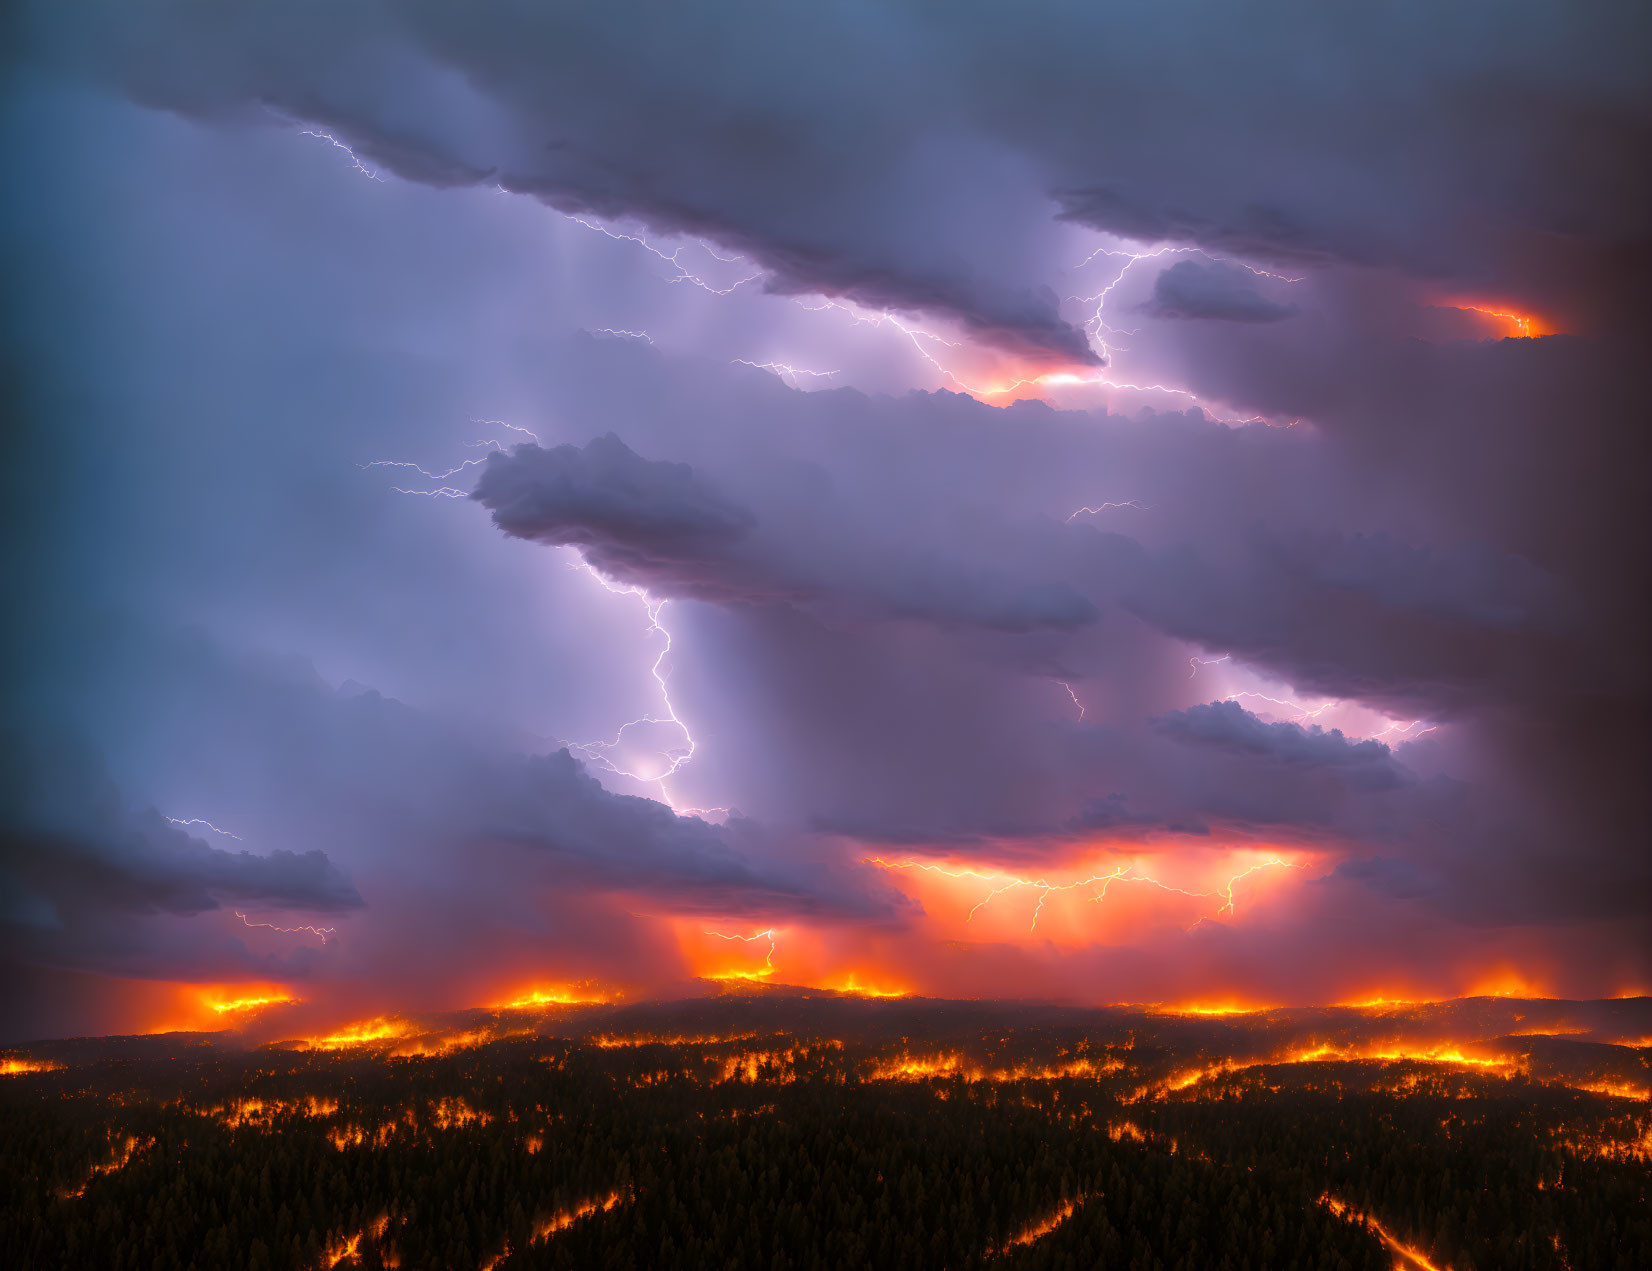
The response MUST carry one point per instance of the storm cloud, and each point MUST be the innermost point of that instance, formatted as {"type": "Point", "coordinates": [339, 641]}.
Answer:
{"type": "Point", "coordinates": [564, 490]}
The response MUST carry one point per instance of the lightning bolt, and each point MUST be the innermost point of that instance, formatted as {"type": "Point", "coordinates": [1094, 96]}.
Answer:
{"type": "Point", "coordinates": [1074, 696]}
{"type": "Point", "coordinates": [600, 752]}
{"type": "Point", "coordinates": [1397, 727]}
{"type": "Point", "coordinates": [674, 257]}
{"type": "Point", "coordinates": [355, 161]}
{"type": "Point", "coordinates": [195, 820]}
{"type": "Point", "coordinates": [323, 932]}
{"type": "Point", "coordinates": [1109, 507]}
{"type": "Point", "coordinates": [768, 961]}
{"type": "Point", "coordinates": [597, 752]}
{"type": "Point", "coordinates": [1096, 324]}
{"type": "Point", "coordinates": [1303, 712]}
{"type": "Point", "coordinates": [783, 370]}
{"type": "Point", "coordinates": [623, 335]}
{"type": "Point", "coordinates": [1196, 663]}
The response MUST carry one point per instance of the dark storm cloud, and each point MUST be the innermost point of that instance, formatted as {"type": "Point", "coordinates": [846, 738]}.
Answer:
{"type": "Point", "coordinates": [1217, 291]}
{"type": "Point", "coordinates": [396, 785]}
{"type": "Point", "coordinates": [1363, 616]}
{"type": "Point", "coordinates": [1229, 726]}
{"type": "Point", "coordinates": [662, 527]}
{"type": "Point", "coordinates": [82, 868]}
{"type": "Point", "coordinates": [620, 842]}
{"type": "Point", "coordinates": [633, 517]}
{"type": "Point", "coordinates": [1347, 566]}
{"type": "Point", "coordinates": [895, 154]}
{"type": "Point", "coordinates": [889, 628]}
{"type": "Point", "coordinates": [72, 839]}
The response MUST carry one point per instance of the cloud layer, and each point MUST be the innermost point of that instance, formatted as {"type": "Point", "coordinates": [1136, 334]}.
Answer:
{"type": "Point", "coordinates": [1293, 513]}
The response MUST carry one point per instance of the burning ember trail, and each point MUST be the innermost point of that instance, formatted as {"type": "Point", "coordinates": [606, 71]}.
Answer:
{"type": "Point", "coordinates": [1043, 1227]}
{"type": "Point", "coordinates": [1408, 1257]}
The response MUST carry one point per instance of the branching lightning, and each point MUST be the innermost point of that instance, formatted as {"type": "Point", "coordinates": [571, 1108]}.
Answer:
{"type": "Point", "coordinates": [601, 752]}
{"type": "Point", "coordinates": [674, 258]}
{"type": "Point", "coordinates": [768, 961]}
{"type": "Point", "coordinates": [1097, 327]}
{"type": "Point", "coordinates": [355, 161]}
{"type": "Point", "coordinates": [784, 370]}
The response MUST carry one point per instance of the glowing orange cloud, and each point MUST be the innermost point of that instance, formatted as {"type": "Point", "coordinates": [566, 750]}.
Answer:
{"type": "Point", "coordinates": [1215, 899]}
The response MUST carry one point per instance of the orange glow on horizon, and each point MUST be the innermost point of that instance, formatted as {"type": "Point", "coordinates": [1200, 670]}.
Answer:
{"type": "Point", "coordinates": [1227, 1006]}
{"type": "Point", "coordinates": [1507, 983]}
{"type": "Point", "coordinates": [852, 983]}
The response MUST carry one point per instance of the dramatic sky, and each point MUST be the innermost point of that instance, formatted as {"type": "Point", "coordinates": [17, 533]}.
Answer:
{"type": "Point", "coordinates": [1099, 502]}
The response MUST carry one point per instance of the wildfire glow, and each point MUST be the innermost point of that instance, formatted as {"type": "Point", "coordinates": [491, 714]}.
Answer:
{"type": "Point", "coordinates": [1212, 1008]}
{"type": "Point", "coordinates": [1043, 1227]}
{"type": "Point", "coordinates": [556, 995]}
{"type": "Point", "coordinates": [1506, 983]}
{"type": "Point", "coordinates": [565, 1218]}
{"type": "Point", "coordinates": [16, 1065]}
{"type": "Point", "coordinates": [240, 1005]}
{"type": "Point", "coordinates": [124, 1152]}
{"type": "Point", "coordinates": [362, 1034]}
{"type": "Point", "coordinates": [852, 983]}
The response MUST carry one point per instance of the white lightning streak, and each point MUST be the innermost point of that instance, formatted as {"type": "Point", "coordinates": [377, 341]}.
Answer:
{"type": "Point", "coordinates": [323, 932]}
{"type": "Point", "coordinates": [195, 820]}
{"type": "Point", "coordinates": [355, 162]}
{"type": "Point", "coordinates": [672, 258]}
{"type": "Point", "coordinates": [1108, 507]}
{"type": "Point", "coordinates": [783, 369]}
{"type": "Point", "coordinates": [600, 752]}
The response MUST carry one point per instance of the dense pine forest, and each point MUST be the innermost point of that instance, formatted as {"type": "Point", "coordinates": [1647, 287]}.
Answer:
{"type": "Point", "coordinates": [920, 1140]}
